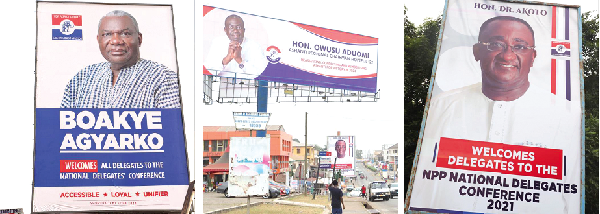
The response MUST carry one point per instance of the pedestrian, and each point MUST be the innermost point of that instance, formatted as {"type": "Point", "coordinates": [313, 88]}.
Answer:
{"type": "Point", "coordinates": [337, 200]}
{"type": "Point", "coordinates": [363, 191]}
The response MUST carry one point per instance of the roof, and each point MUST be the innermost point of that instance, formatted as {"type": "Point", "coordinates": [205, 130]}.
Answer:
{"type": "Point", "coordinates": [232, 128]}
{"type": "Point", "coordinates": [395, 146]}
{"type": "Point", "coordinates": [216, 167]}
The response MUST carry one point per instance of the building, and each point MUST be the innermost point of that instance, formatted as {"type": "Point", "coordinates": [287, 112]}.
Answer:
{"type": "Point", "coordinates": [217, 139]}
{"type": "Point", "coordinates": [298, 151]}
{"type": "Point", "coordinates": [391, 158]}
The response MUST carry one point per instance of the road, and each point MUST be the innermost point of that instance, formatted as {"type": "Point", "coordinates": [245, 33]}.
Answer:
{"type": "Point", "coordinates": [382, 206]}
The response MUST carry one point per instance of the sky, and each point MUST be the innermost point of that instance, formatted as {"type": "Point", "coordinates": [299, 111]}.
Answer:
{"type": "Point", "coordinates": [374, 123]}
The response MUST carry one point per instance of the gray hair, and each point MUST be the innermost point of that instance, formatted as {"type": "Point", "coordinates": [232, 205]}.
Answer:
{"type": "Point", "coordinates": [120, 13]}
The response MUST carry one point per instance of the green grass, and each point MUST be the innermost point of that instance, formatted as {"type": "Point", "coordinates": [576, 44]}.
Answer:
{"type": "Point", "coordinates": [319, 199]}
{"type": "Point", "coordinates": [277, 208]}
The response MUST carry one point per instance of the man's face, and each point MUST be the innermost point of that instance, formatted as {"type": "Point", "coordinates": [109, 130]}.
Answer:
{"type": "Point", "coordinates": [506, 69]}
{"type": "Point", "coordinates": [234, 28]}
{"type": "Point", "coordinates": [118, 40]}
{"type": "Point", "coordinates": [340, 148]}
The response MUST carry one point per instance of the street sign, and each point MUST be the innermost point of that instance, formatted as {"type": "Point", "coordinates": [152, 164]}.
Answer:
{"type": "Point", "coordinates": [325, 166]}
{"type": "Point", "coordinates": [251, 120]}
{"type": "Point", "coordinates": [323, 153]}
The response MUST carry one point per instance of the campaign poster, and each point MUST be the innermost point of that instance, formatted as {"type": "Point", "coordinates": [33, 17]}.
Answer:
{"type": "Point", "coordinates": [244, 47]}
{"type": "Point", "coordinates": [503, 127]}
{"type": "Point", "coordinates": [249, 166]}
{"type": "Point", "coordinates": [108, 123]}
{"type": "Point", "coordinates": [342, 151]}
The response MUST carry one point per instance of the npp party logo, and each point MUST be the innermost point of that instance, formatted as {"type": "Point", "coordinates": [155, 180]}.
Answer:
{"type": "Point", "coordinates": [66, 27]}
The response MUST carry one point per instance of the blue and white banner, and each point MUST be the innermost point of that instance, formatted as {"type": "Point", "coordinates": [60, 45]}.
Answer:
{"type": "Point", "coordinates": [123, 148]}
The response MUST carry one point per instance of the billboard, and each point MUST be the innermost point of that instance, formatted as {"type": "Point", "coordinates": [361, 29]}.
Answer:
{"type": "Point", "coordinates": [342, 148]}
{"type": "Point", "coordinates": [108, 122]}
{"type": "Point", "coordinates": [253, 47]}
{"type": "Point", "coordinates": [249, 166]}
{"type": "Point", "coordinates": [503, 127]}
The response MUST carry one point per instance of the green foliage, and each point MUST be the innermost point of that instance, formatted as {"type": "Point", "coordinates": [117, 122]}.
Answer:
{"type": "Point", "coordinates": [419, 50]}
{"type": "Point", "coordinates": [590, 67]}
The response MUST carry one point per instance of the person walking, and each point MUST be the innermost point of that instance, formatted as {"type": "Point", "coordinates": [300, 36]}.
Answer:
{"type": "Point", "coordinates": [363, 192]}
{"type": "Point", "coordinates": [337, 200]}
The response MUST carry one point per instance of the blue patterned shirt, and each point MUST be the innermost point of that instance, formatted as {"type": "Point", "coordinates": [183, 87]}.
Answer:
{"type": "Point", "coordinates": [146, 84]}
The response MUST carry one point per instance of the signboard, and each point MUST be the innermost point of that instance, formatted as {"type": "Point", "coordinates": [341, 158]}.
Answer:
{"type": "Point", "coordinates": [324, 153]}
{"type": "Point", "coordinates": [251, 120]}
{"type": "Point", "coordinates": [503, 130]}
{"type": "Point", "coordinates": [287, 52]}
{"type": "Point", "coordinates": [249, 166]}
{"type": "Point", "coordinates": [105, 143]}
{"type": "Point", "coordinates": [11, 211]}
{"type": "Point", "coordinates": [342, 148]}
{"type": "Point", "coordinates": [325, 163]}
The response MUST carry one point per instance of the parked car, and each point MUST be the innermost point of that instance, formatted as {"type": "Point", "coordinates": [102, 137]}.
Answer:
{"type": "Point", "coordinates": [378, 189]}
{"type": "Point", "coordinates": [354, 193]}
{"type": "Point", "coordinates": [273, 192]}
{"type": "Point", "coordinates": [223, 188]}
{"type": "Point", "coordinates": [393, 189]}
{"type": "Point", "coordinates": [284, 190]}
{"type": "Point", "coordinates": [349, 188]}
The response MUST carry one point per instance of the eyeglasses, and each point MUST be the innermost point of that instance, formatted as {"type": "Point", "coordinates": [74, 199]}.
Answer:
{"type": "Point", "coordinates": [121, 34]}
{"type": "Point", "coordinates": [501, 46]}
{"type": "Point", "coordinates": [236, 27]}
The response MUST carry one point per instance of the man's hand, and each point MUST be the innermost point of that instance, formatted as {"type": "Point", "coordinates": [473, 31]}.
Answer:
{"type": "Point", "coordinates": [237, 53]}
{"type": "Point", "coordinates": [232, 52]}
{"type": "Point", "coordinates": [344, 206]}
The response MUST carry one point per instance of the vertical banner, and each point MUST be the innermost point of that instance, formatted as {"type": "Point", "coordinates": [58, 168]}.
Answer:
{"type": "Point", "coordinates": [248, 46]}
{"type": "Point", "coordinates": [342, 148]}
{"type": "Point", "coordinates": [108, 123]}
{"type": "Point", "coordinates": [249, 166]}
{"type": "Point", "coordinates": [503, 128]}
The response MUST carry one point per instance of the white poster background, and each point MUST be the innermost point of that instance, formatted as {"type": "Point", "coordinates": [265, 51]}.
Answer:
{"type": "Point", "coordinates": [457, 68]}
{"type": "Point", "coordinates": [249, 166]}
{"type": "Point", "coordinates": [349, 158]}
{"type": "Point", "coordinates": [59, 60]}
{"type": "Point", "coordinates": [274, 32]}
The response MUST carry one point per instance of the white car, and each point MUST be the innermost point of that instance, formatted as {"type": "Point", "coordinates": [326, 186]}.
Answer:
{"type": "Point", "coordinates": [393, 190]}
{"type": "Point", "coordinates": [354, 193]}
{"type": "Point", "coordinates": [378, 189]}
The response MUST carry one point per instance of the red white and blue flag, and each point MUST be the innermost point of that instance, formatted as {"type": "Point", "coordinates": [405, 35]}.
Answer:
{"type": "Point", "coordinates": [560, 50]}
{"type": "Point", "coordinates": [66, 27]}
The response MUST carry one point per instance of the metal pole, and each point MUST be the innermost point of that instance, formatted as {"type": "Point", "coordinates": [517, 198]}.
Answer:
{"type": "Point", "coordinates": [314, 190]}
{"type": "Point", "coordinates": [248, 211]}
{"type": "Point", "coordinates": [305, 148]}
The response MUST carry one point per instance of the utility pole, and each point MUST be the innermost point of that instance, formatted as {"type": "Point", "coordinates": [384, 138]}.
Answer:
{"type": "Point", "coordinates": [305, 147]}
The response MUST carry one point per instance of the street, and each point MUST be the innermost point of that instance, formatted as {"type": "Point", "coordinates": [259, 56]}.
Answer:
{"type": "Point", "coordinates": [382, 206]}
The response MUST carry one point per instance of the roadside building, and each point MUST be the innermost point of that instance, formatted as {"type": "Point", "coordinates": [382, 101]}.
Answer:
{"type": "Point", "coordinates": [216, 143]}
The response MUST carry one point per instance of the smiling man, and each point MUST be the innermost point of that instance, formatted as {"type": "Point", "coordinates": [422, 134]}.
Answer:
{"type": "Point", "coordinates": [125, 80]}
{"type": "Point", "coordinates": [235, 55]}
{"type": "Point", "coordinates": [504, 107]}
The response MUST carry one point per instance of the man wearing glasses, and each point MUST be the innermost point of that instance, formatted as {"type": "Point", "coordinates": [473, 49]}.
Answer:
{"type": "Point", "coordinates": [125, 80]}
{"type": "Point", "coordinates": [236, 55]}
{"type": "Point", "coordinates": [504, 107]}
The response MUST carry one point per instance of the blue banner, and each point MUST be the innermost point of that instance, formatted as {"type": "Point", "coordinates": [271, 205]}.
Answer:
{"type": "Point", "coordinates": [109, 147]}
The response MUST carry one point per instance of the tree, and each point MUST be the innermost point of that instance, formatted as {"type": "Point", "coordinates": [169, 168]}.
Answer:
{"type": "Point", "coordinates": [419, 50]}
{"type": "Point", "coordinates": [589, 23]}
